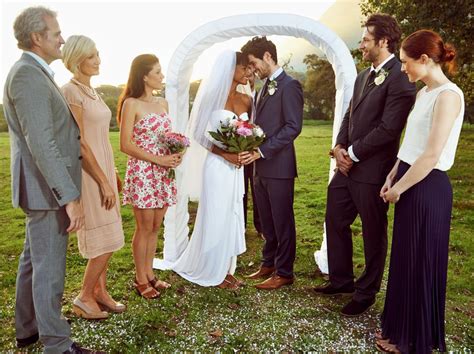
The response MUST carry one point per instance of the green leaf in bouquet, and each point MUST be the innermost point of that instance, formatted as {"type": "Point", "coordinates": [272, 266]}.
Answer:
{"type": "Point", "coordinates": [244, 144]}
{"type": "Point", "coordinates": [215, 135]}
{"type": "Point", "coordinates": [233, 144]}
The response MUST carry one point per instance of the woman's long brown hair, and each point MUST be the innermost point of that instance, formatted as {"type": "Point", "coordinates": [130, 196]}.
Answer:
{"type": "Point", "coordinates": [135, 87]}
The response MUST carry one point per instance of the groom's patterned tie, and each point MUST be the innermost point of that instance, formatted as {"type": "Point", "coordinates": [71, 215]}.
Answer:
{"type": "Point", "coordinates": [265, 87]}
{"type": "Point", "coordinates": [264, 91]}
{"type": "Point", "coordinates": [370, 79]}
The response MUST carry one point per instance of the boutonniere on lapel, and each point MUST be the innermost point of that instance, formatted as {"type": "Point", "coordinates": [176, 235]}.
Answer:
{"type": "Point", "coordinates": [381, 76]}
{"type": "Point", "coordinates": [272, 87]}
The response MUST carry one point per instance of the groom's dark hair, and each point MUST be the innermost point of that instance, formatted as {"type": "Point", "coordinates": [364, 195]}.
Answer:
{"type": "Point", "coordinates": [257, 46]}
{"type": "Point", "coordinates": [385, 26]}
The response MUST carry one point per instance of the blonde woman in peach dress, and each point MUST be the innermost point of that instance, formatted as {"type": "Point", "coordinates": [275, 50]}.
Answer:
{"type": "Point", "coordinates": [102, 234]}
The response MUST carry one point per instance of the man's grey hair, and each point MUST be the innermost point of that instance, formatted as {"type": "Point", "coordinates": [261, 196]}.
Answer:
{"type": "Point", "coordinates": [31, 20]}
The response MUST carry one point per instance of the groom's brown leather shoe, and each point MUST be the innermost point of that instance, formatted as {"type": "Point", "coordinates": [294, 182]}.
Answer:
{"type": "Point", "coordinates": [275, 282]}
{"type": "Point", "coordinates": [262, 273]}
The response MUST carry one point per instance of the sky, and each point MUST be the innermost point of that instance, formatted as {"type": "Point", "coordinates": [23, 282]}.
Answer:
{"type": "Point", "coordinates": [124, 29]}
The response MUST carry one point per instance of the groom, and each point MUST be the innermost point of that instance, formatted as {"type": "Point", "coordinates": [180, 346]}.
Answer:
{"type": "Point", "coordinates": [366, 149]}
{"type": "Point", "coordinates": [279, 112]}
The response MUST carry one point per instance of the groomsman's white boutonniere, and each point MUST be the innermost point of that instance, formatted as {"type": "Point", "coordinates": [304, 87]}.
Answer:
{"type": "Point", "coordinates": [381, 76]}
{"type": "Point", "coordinates": [272, 87]}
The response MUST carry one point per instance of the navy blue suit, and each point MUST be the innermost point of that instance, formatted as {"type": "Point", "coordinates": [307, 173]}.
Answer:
{"type": "Point", "coordinates": [281, 117]}
{"type": "Point", "coordinates": [372, 124]}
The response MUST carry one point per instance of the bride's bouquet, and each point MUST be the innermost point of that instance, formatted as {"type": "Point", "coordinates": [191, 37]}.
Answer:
{"type": "Point", "coordinates": [176, 143]}
{"type": "Point", "coordinates": [237, 135]}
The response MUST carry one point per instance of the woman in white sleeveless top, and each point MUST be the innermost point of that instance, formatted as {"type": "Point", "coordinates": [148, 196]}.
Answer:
{"type": "Point", "coordinates": [413, 315]}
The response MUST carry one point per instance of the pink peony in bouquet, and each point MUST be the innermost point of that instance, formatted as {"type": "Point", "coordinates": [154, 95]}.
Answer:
{"type": "Point", "coordinates": [237, 135]}
{"type": "Point", "coordinates": [176, 143]}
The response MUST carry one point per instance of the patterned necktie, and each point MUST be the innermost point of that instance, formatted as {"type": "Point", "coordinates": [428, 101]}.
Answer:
{"type": "Point", "coordinates": [264, 89]}
{"type": "Point", "coordinates": [370, 80]}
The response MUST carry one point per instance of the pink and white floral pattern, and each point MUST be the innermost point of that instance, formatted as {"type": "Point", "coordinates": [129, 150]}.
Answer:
{"type": "Point", "coordinates": [147, 185]}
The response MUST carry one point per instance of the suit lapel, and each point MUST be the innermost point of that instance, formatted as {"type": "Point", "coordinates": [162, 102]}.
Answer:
{"type": "Point", "coordinates": [31, 60]}
{"type": "Point", "coordinates": [364, 92]}
{"type": "Point", "coordinates": [263, 100]}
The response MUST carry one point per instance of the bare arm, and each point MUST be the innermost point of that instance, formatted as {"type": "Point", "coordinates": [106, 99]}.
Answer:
{"type": "Point", "coordinates": [90, 164]}
{"type": "Point", "coordinates": [446, 110]}
{"type": "Point", "coordinates": [389, 180]}
{"type": "Point", "coordinates": [231, 157]}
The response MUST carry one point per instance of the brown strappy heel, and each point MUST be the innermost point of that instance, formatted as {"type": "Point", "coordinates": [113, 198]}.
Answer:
{"type": "Point", "coordinates": [146, 291]}
{"type": "Point", "coordinates": [227, 284]}
{"type": "Point", "coordinates": [159, 284]}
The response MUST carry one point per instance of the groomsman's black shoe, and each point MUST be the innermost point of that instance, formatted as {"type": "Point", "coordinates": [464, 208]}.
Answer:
{"type": "Point", "coordinates": [24, 342]}
{"type": "Point", "coordinates": [356, 308]}
{"type": "Point", "coordinates": [76, 349]}
{"type": "Point", "coordinates": [329, 290]}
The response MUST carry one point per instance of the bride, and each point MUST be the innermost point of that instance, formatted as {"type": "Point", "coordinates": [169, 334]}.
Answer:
{"type": "Point", "coordinates": [218, 237]}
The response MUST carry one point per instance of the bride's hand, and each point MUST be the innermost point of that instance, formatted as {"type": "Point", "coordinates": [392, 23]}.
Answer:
{"type": "Point", "coordinates": [233, 158]}
{"type": "Point", "coordinates": [247, 157]}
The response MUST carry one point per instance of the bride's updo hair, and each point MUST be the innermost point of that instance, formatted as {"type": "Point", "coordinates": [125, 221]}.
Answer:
{"type": "Point", "coordinates": [135, 87]}
{"type": "Point", "coordinates": [430, 43]}
{"type": "Point", "coordinates": [241, 59]}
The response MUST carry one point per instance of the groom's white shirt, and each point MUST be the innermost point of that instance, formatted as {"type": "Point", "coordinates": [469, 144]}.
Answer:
{"type": "Point", "coordinates": [275, 74]}
{"type": "Point", "coordinates": [377, 69]}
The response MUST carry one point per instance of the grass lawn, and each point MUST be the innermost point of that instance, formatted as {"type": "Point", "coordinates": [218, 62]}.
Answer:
{"type": "Point", "coordinates": [290, 319]}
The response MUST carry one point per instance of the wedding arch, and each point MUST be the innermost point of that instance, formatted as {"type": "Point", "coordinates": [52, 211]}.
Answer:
{"type": "Point", "coordinates": [177, 91]}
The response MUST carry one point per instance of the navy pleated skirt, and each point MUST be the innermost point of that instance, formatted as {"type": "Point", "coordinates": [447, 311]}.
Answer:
{"type": "Point", "coordinates": [413, 315]}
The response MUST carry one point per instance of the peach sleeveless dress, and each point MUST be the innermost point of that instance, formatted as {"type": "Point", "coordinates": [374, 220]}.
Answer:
{"type": "Point", "coordinates": [103, 231]}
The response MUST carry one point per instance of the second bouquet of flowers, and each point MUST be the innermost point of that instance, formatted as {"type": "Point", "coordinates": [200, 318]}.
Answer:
{"type": "Point", "coordinates": [237, 135]}
{"type": "Point", "coordinates": [177, 143]}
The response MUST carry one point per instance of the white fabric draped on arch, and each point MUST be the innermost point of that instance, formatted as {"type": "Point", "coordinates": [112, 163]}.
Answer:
{"type": "Point", "coordinates": [177, 92]}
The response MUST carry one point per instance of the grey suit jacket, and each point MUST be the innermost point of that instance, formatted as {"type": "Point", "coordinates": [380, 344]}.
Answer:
{"type": "Point", "coordinates": [44, 139]}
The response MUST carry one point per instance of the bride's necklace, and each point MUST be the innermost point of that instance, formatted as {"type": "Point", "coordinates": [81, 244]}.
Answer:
{"type": "Point", "coordinates": [90, 91]}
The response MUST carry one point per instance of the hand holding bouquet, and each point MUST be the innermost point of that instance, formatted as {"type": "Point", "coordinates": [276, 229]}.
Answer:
{"type": "Point", "coordinates": [177, 143]}
{"type": "Point", "coordinates": [237, 135]}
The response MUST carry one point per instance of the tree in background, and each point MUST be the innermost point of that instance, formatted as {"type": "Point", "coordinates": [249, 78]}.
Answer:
{"type": "Point", "coordinates": [453, 20]}
{"type": "Point", "coordinates": [3, 121]}
{"type": "Point", "coordinates": [319, 88]}
{"type": "Point", "coordinates": [110, 95]}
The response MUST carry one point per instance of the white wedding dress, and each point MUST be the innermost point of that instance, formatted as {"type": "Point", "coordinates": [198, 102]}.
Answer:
{"type": "Point", "coordinates": [219, 231]}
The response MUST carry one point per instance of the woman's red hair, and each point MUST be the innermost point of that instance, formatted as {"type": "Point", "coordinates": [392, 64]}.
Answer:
{"type": "Point", "coordinates": [430, 43]}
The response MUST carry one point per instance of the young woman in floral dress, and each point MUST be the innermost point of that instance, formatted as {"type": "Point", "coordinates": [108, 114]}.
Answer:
{"type": "Point", "coordinates": [144, 121]}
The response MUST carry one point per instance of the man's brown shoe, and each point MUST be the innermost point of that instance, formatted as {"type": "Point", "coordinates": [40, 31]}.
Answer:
{"type": "Point", "coordinates": [262, 273]}
{"type": "Point", "coordinates": [275, 282]}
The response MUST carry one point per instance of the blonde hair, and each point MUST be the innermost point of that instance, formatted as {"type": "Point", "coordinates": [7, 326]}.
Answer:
{"type": "Point", "coordinates": [75, 50]}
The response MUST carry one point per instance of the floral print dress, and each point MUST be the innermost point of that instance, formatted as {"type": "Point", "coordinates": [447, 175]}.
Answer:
{"type": "Point", "coordinates": [147, 185]}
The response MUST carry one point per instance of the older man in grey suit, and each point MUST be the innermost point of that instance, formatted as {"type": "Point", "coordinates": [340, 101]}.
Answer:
{"type": "Point", "coordinates": [46, 180]}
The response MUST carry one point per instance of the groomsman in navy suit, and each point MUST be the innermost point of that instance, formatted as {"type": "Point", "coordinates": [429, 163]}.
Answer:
{"type": "Point", "coordinates": [366, 149]}
{"type": "Point", "coordinates": [279, 112]}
